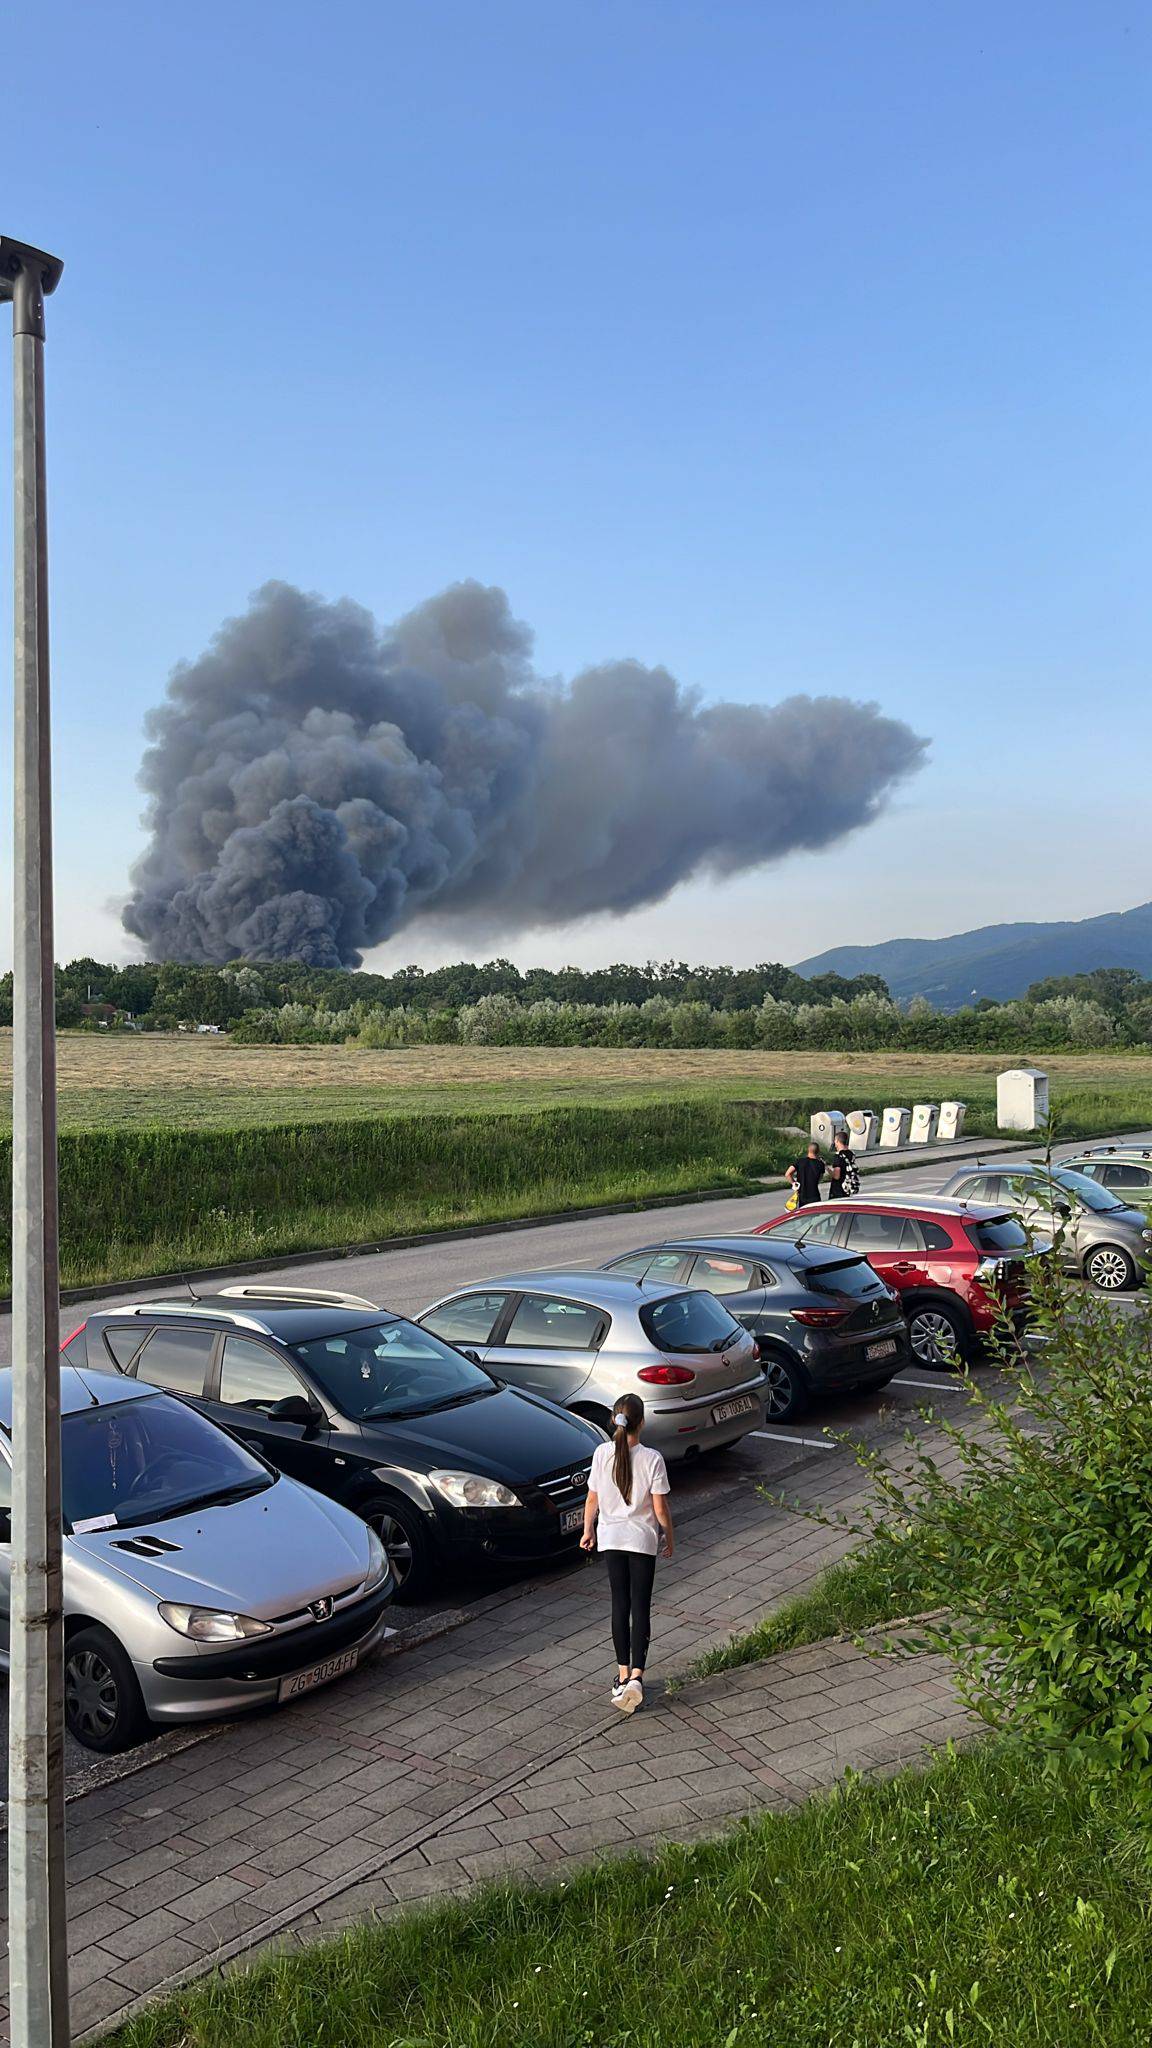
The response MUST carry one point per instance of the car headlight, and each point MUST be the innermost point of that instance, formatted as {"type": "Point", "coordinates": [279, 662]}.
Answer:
{"type": "Point", "coordinates": [469, 1490]}
{"type": "Point", "coordinates": [209, 1625]}
{"type": "Point", "coordinates": [1147, 1236]}
{"type": "Point", "coordinates": [377, 1563]}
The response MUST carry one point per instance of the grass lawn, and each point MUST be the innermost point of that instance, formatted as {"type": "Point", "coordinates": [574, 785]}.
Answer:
{"type": "Point", "coordinates": [124, 1080]}
{"type": "Point", "coordinates": [972, 1903]}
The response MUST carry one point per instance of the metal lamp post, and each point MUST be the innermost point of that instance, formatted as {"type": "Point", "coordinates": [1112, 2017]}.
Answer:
{"type": "Point", "coordinates": [38, 1952]}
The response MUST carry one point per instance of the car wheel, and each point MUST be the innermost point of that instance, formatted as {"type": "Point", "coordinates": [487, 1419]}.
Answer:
{"type": "Point", "coordinates": [407, 1547]}
{"type": "Point", "coordinates": [598, 1417]}
{"type": "Point", "coordinates": [786, 1389]}
{"type": "Point", "coordinates": [103, 1704]}
{"type": "Point", "coordinates": [1110, 1269]}
{"type": "Point", "coordinates": [939, 1335]}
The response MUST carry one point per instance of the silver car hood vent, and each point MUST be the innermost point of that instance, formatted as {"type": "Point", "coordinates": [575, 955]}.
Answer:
{"type": "Point", "coordinates": [146, 1546]}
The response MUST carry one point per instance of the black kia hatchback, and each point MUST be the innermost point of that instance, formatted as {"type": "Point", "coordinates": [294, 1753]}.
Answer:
{"type": "Point", "coordinates": [823, 1320]}
{"type": "Point", "coordinates": [449, 1466]}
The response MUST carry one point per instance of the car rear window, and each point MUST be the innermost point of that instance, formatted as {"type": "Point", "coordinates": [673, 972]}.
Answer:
{"type": "Point", "coordinates": [124, 1342]}
{"type": "Point", "coordinates": [844, 1276]}
{"type": "Point", "coordinates": [689, 1322]}
{"type": "Point", "coordinates": [999, 1234]}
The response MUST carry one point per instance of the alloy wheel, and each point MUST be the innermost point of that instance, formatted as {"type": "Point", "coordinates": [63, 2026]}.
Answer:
{"type": "Point", "coordinates": [1109, 1269]}
{"type": "Point", "coordinates": [397, 1543]}
{"type": "Point", "coordinates": [933, 1337]}
{"type": "Point", "coordinates": [91, 1695]}
{"type": "Point", "coordinates": [780, 1391]}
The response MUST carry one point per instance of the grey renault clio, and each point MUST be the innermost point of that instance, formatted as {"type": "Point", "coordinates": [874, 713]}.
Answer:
{"type": "Point", "coordinates": [197, 1580]}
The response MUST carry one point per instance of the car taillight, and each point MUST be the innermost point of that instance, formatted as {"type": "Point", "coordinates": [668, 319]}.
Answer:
{"type": "Point", "coordinates": [819, 1318]}
{"type": "Point", "coordinates": [75, 1333]}
{"type": "Point", "coordinates": [665, 1375]}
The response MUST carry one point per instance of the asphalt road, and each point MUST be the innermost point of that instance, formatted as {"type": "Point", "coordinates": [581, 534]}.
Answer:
{"type": "Point", "coordinates": [408, 1280]}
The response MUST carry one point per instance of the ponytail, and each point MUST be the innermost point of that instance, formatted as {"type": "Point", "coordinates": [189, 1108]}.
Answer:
{"type": "Point", "coordinates": [627, 1414]}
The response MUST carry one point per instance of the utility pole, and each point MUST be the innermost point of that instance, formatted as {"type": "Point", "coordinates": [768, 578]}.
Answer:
{"type": "Point", "coordinates": [38, 1948]}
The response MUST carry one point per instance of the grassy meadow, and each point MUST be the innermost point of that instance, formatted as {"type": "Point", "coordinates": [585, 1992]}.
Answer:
{"type": "Point", "coordinates": [185, 1152]}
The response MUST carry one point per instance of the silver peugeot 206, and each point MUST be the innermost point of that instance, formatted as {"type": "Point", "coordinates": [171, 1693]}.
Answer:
{"type": "Point", "coordinates": [197, 1580]}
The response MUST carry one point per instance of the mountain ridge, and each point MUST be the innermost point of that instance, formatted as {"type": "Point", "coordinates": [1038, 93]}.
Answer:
{"type": "Point", "coordinates": [996, 960]}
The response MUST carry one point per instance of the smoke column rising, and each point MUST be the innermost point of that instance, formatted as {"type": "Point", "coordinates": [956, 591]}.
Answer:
{"type": "Point", "coordinates": [316, 784]}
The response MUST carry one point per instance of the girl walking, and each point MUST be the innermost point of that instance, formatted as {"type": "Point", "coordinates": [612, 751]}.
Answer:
{"type": "Point", "coordinates": [627, 1517]}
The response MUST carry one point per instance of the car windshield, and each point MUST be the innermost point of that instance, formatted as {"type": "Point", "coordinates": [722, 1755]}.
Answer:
{"type": "Point", "coordinates": [843, 1276]}
{"type": "Point", "coordinates": [689, 1322]}
{"type": "Point", "coordinates": [998, 1234]}
{"type": "Point", "coordinates": [1087, 1191]}
{"type": "Point", "coordinates": [391, 1369]}
{"type": "Point", "coordinates": [141, 1461]}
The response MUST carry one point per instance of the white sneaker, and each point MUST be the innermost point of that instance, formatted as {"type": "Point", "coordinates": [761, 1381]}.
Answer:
{"type": "Point", "coordinates": [631, 1696]}
{"type": "Point", "coordinates": [618, 1691]}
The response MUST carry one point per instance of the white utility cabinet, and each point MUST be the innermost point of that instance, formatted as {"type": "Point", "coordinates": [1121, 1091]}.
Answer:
{"type": "Point", "coordinates": [951, 1122]}
{"type": "Point", "coordinates": [923, 1126]}
{"type": "Point", "coordinates": [894, 1127]}
{"type": "Point", "coordinates": [1022, 1099]}
{"type": "Point", "coordinates": [825, 1124]}
{"type": "Point", "coordinates": [862, 1128]}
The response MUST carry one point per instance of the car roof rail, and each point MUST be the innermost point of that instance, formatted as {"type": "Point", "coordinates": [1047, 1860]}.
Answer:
{"type": "Point", "coordinates": [324, 1297]}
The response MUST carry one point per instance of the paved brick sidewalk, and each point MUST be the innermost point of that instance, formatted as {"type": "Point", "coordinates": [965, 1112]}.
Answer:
{"type": "Point", "coordinates": [480, 1750]}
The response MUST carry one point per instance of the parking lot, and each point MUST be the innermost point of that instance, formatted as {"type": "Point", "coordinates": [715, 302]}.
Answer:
{"type": "Point", "coordinates": [406, 1280]}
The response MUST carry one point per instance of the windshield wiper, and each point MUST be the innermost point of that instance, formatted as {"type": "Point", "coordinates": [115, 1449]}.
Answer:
{"type": "Point", "coordinates": [222, 1496]}
{"type": "Point", "coordinates": [427, 1407]}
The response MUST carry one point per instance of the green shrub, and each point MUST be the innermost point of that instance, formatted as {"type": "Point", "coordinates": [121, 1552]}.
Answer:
{"type": "Point", "coordinates": [1036, 1527]}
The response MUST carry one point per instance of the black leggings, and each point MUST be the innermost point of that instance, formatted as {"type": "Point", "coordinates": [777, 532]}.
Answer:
{"type": "Point", "coordinates": [630, 1575]}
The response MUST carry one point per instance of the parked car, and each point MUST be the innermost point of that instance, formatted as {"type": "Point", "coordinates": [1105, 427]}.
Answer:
{"type": "Point", "coordinates": [448, 1466]}
{"type": "Point", "coordinates": [1095, 1233]}
{"type": "Point", "coordinates": [955, 1266]}
{"type": "Point", "coordinates": [582, 1339]}
{"type": "Point", "coordinates": [197, 1581]}
{"type": "Point", "coordinates": [1125, 1170]}
{"type": "Point", "coordinates": [824, 1323]}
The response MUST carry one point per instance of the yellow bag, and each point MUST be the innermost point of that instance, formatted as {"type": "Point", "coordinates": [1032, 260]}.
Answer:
{"type": "Point", "coordinates": [793, 1200]}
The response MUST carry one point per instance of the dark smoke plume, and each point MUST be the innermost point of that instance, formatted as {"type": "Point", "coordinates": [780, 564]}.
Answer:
{"type": "Point", "coordinates": [315, 784]}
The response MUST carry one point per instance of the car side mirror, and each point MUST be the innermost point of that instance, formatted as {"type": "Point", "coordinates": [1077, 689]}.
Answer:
{"type": "Point", "coordinates": [473, 1356]}
{"type": "Point", "coordinates": [1062, 1210]}
{"type": "Point", "coordinates": [296, 1409]}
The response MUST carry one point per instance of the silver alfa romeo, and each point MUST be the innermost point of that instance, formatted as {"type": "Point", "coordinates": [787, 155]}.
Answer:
{"type": "Point", "coordinates": [197, 1580]}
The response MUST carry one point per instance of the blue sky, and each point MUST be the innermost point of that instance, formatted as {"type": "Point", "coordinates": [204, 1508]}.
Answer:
{"type": "Point", "coordinates": [798, 347]}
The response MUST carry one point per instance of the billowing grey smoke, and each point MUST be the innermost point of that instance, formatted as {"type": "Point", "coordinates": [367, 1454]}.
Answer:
{"type": "Point", "coordinates": [316, 785]}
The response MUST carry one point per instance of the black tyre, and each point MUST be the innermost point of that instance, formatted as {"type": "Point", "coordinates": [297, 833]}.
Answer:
{"type": "Point", "coordinates": [401, 1531]}
{"type": "Point", "coordinates": [599, 1417]}
{"type": "Point", "coordinates": [940, 1334]}
{"type": "Point", "coordinates": [1110, 1268]}
{"type": "Point", "coordinates": [787, 1394]}
{"type": "Point", "coordinates": [103, 1704]}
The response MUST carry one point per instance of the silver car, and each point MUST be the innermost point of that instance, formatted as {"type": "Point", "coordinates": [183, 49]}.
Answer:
{"type": "Point", "coordinates": [1094, 1233]}
{"type": "Point", "coordinates": [196, 1579]}
{"type": "Point", "coordinates": [583, 1339]}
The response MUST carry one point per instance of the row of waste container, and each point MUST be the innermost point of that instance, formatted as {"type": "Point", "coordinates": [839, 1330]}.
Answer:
{"type": "Point", "coordinates": [925, 1123]}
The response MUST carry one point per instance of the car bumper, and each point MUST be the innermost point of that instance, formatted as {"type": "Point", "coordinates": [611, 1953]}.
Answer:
{"type": "Point", "coordinates": [198, 1687]}
{"type": "Point", "coordinates": [839, 1366]}
{"type": "Point", "coordinates": [510, 1536]}
{"type": "Point", "coordinates": [682, 1428]}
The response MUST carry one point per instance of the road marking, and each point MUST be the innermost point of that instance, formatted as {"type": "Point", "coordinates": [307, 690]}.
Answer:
{"type": "Point", "coordinates": [776, 1436]}
{"type": "Point", "coordinates": [933, 1386]}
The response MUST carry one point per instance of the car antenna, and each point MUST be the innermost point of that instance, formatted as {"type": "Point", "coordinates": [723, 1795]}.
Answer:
{"type": "Point", "coordinates": [189, 1286]}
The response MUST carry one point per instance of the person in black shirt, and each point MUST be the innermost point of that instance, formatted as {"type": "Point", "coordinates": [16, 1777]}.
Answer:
{"type": "Point", "coordinates": [843, 1176]}
{"type": "Point", "coordinates": [806, 1175]}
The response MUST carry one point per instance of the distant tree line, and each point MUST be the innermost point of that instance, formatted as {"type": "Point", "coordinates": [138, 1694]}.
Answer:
{"type": "Point", "coordinates": [662, 1004]}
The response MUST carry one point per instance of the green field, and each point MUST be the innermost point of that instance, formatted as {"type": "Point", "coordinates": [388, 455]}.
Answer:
{"type": "Point", "coordinates": [184, 1152]}
{"type": "Point", "coordinates": [975, 1902]}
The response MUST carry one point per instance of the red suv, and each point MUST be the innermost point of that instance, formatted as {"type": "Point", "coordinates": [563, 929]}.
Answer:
{"type": "Point", "coordinates": [955, 1265]}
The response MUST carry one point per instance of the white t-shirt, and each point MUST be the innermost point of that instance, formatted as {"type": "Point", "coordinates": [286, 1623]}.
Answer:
{"type": "Point", "coordinates": [628, 1525]}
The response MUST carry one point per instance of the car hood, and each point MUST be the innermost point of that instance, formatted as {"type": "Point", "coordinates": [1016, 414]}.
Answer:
{"type": "Point", "coordinates": [508, 1435]}
{"type": "Point", "coordinates": [265, 1556]}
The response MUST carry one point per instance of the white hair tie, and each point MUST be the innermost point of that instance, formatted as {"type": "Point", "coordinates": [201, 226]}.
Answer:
{"type": "Point", "coordinates": [621, 1421]}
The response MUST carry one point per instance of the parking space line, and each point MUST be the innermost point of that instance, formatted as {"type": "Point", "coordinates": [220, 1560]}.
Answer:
{"type": "Point", "coordinates": [933, 1386]}
{"type": "Point", "coordinates": [776, 1436]}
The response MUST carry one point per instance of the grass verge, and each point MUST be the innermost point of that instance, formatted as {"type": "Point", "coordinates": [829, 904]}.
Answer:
{"type": "Point", "coordinates": [879, 1582]}
{"type": "Point", "coordinates": [976, 1901]}
{"type": "Point", "coordinates": [154, 1201]}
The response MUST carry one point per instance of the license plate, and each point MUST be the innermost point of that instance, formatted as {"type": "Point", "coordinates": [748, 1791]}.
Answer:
{"type": "Point", "coordinates": [320, 1674]}
{"type": "Point", "coordinates": [730, 1409]}
{"type": "Point", "coordinates": [885, 1350]}
{"type": "Point", "coordinates": [571, 1519]}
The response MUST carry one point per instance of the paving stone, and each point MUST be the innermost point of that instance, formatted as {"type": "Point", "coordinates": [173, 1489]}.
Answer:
{"type": "Point", "coordinates": [156, 1965]}
{"type": "Point", "coordinates": [147, 1932]}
